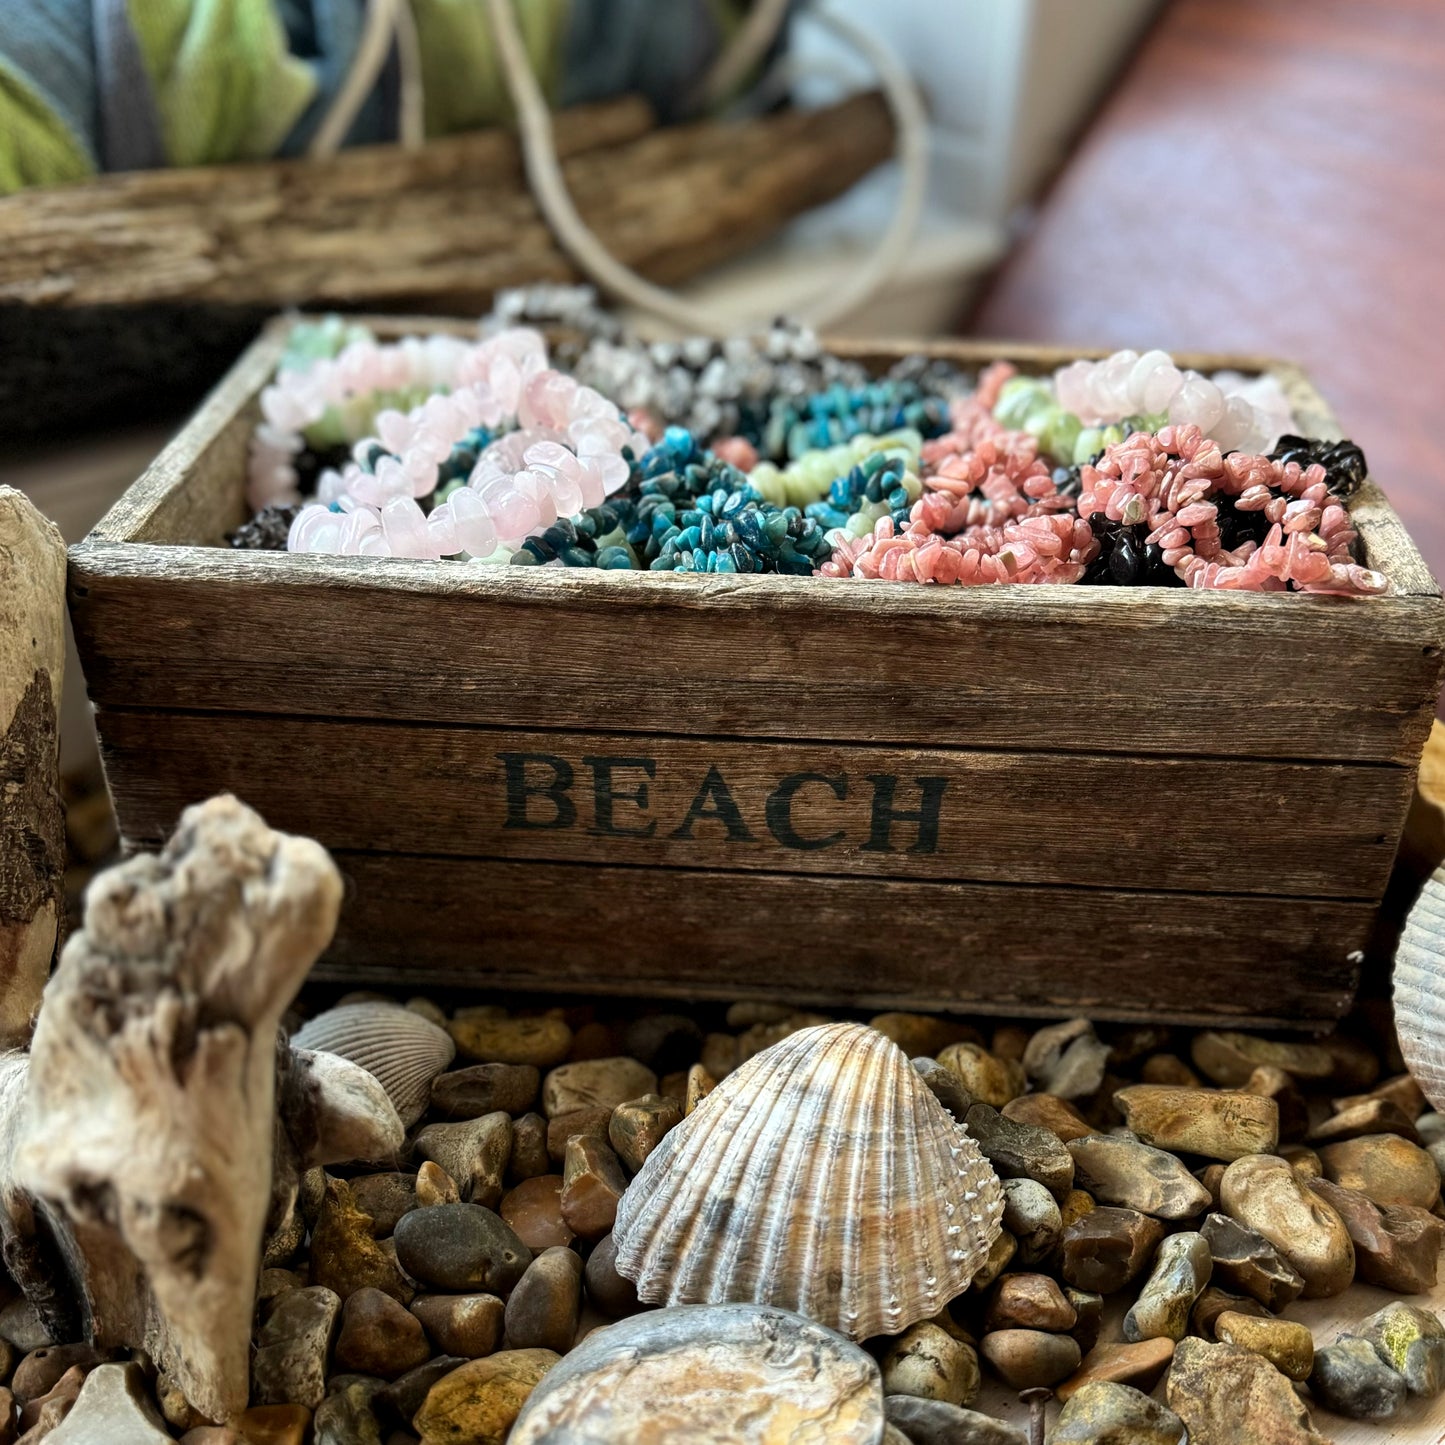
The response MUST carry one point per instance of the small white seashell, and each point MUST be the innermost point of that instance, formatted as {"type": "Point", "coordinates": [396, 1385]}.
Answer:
{"type": "Point", "coordinates": [399, 1047]}
{"type": "Point", "coordinates": [823, 1177]}
{"type": "Point", "coordinates": [1420, 989]}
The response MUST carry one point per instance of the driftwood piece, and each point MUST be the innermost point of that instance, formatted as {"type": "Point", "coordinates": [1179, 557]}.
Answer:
{"type": "Point", "coordinates": [435, 228]}
{"type": "Point", "coordinates": [150, 1118]}
{"type": "Point", "coordinates": [32, 820]}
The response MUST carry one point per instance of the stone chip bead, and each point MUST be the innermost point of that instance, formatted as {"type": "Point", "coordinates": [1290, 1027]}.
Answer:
{"type": "Point", "coordinates": [1181, 1270]}
{"type": "Point", "coordinates": [1216, 1123]}
{"type": "Point", "coordinates": [1265, 1194]}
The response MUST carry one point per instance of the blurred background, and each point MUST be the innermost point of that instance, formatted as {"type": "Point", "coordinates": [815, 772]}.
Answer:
{"type": "Point", "coordinates": [1246, 176]}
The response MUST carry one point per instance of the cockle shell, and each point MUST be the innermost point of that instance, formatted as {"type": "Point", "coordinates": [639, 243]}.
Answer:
{"type": "Point", "coordinates": [1420, 989]}
{"type": "Point", "coordinates": [822, 1177]}
{"type": "Point", "coordinates": [400, 1048]}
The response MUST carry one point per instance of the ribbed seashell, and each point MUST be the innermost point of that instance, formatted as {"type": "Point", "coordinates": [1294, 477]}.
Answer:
{"type": "Point", "coordinates": [400, 1048]}
{"type": "Point", "coordinates": [1420, 989]}
{"type": "Point", "coordinates": [822, 1177]}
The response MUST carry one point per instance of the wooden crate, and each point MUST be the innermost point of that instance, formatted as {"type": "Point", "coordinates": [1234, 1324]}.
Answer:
{"type": "Point", "coordinates": [1127, 802]}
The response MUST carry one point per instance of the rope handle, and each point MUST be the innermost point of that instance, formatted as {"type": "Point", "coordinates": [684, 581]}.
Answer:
{"type": "Point", "coordinates": [388, 18]}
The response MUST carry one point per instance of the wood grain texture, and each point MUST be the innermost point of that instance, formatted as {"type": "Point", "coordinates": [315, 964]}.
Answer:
{"type": "Point", "coordinates": [1099, 669]}
{"type": "Point", "coordinates": [1266, 177]}
{"type": "Point", "coordinates": [1012, 817]}
{"type": "Point", "coordinates": [843, 942]}
{"type": "Point", "coordinates": [441, 227]}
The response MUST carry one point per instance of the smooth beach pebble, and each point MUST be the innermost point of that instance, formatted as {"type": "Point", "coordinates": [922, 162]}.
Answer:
{"type": "Point", "coordinates": [533, 1211]}
{"type": "Point", "coordinates": [529, 1148]}
{"type": "Point", "coordinates": [1264, 1193]}
{"type": "Point", "coordinates": [379, 1336]}
{"type": "Point", "coordinates": [475, 1153]}
{"type": "Point", "coordinates": [1066, 1059]}
{"type": "Point", "coordinates": [637, 1127]}
{"type": "Point", "coordinates": [274, 1424]}
{"type": "Point", "coordinates": [435, 1186]}
{"type": "Point", "coordinates": [385, 1198]}
{"type": "Point", "coordinates": [1287, 1345]}
{"type": "Point", "coordinates": [1047, 1111]}
{"type": "Point", "coordinates": [945, 1086]}
{"type": "Point", "coordinates": [1108, 1247]}
{"type": "Point", "coordinates": [1124, 1172]}
{"type": "Point", "coordinates": [1104, 1412]}
{"type": "Point", "coordinates": [1141, 1365]}
{"type": "Point", "coordinates": [113, 1406]}
{"type": "Point", "coordinates": [721, 1374]}
{"type": "Point", "coordinates": [1351, 1379]}
{"type": "Point", "coordinates": [1019, 1150]}
{"type": "Point", "coordinates": [1385, 1168]}
{"type": "Point", "coordinates": [461, 1247]}
{"type": "Point", "coordinates": [464, 1325]}
{"type": "Point", "coordinates": [484, 1088]}
{"type": "Point", "coordinates": [1181, 1270]}
{"type": "Point", "coordinates": [922, 1033]}
{"type": "Point", "coordinates": [1031, 1302]}
{"type": "Point", "coordinates": [936, 1422]}
{"type": "Point", "coordinates": [1230, 1058]}
{"type": "Point", "coordinates": [541, 1042]}
{"type": "Point", "coordinates": [1224, 1124]}
{"type": "Point", "coordinates": [595, 1084]}
{"type": "Point", "coordinates": [1029, 1359]}
{"type": "Point", "coordinates": [479, 1402]}
{"type": "Point", "coordinates": [293, 1349]}
{"type": "Point", "coordinates": [1412, 1342]}
{"type": "Point", "coordinates": [1031, 1215]}
{"type": "Point", "coordinates": [989, 1079]}
{"type": "Point", "coordinates": [1226, 1395]}
{"type": "Point", "coordinates": [608, 1292]}
{"type": "Point", "coordinates": [544, 1308]}
{"type": "Point", "coordinates": [592, 1184]}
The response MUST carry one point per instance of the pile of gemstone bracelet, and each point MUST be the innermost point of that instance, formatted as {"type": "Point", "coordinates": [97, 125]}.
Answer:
{"type": "Point", "coordinates": [771, 455]}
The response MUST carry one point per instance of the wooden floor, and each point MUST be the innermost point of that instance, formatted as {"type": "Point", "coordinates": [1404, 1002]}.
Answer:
{"type": "Point", "coordinates": [1268, 176]}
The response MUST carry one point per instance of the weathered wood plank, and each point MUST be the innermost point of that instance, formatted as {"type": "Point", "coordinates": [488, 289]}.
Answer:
{"type": "Point", "coordinates": [1074, 669]}
{"type": "Point", "coordinates": [843, 942]}
{"type": "Point", "coordinates": [1011, 817]}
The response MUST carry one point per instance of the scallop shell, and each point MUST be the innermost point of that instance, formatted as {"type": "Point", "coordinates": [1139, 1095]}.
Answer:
{"type": "Point", "coordinates": [822, 1177]}
{"type": "Point", "coordinates": [400, 1048]}
{"type": "Point", "coordinates": [1420, 989]}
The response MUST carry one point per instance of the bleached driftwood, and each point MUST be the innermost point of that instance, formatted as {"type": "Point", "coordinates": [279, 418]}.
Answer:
{"type": "Point", "coordinates": [149, 1127]}
{"type": "Point", "coordinates": [32, 822]}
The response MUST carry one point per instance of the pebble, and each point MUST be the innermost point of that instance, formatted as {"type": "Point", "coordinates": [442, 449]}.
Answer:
{"type": "Point", "coordinates": [607, 1291]}
{"type": "Point", "coordinates": [467, 1326]}
{"type": "Point", "coordinates": [40, 1371]}
{"type": "Point", "coordinates": [936, 1422]}
{"type": "Point", "coordinates": [1140, 1365]}
{"type": "Point", "coordinates": [1412, 1342]}
{"type": "Point", "coordinates": [1226, 1395]}
{"type": "Point", "coordinates": [478, 1402]}
{"type": "Point", "coordinates": [1286, 1344]}
{"type": "Point", "coordinates": [989, 1079]}
{"type": "Point", "coordinates": [475, 1153]}
{"type": "Point", "coordinates": [1030, 1359]}
{"type": "Point", "coordinates": [1032, 1216]}
{"type": "Point", "coordinates": [1397, 1246]}
{"type": "Point", "coordinates": [1214, 1302]}
{"type": "Point", "coordinates": [1245, 1260]}
{"type": "Point", "coordinates": [926, 1361]}
{"type": "Point", "coordinates": [21, 1326]}
{"type": "Point", "coordinates": [595, 1084]}
{"type": "Point", "coordinates": [1021, 1151]}
{"type": "Point", "coordinates": [1089, 1316]}
{"type": "Point", "coordinates": [1009, 1042]}
{"type": "Point", "coordinates": [592, 1184]}
{"type": "Point", "coordinates": [533, 1212]}
{"type": "Point", "coordinates": [401, 1399]}
{"type": "Point", "coordinates": [461, 1247]}
{"type": "Point", "coordinates": [379, 1337]}
{"type": "Point", "coordinates": [1384, 1168]}
{"type": "Point", "coordinates": [1302, 1159]}
{"type": "Point", "coordinates": [1030, 1302]}
{"type": "Point", "coordinates": [1371, 1116]}
{"type": "Point", "coordinates": [945, 1086]}
{"type": "Point", "coordinates": [1266, 1194]}
{"type": "Point", "coordinates": [1401, 1090]}
{"type": "Point", "coordinates": [1211, 1177]}
{"type": "Point", "coordinates": [529, 1147]}
{"type": "Point", "coordinates": [293, 1348]}
{"type": "Point", "coordinates": [1169, 1069]}
{"type": "Point", "coordinates": [719, 1055]}
{"type": "Point", "coordinates": [1351, 1379]}
{"type": "Point", "coordinates": [540, 1042]}
{"type": "Point", "coordinates": [1223, 1124]}
{"type": "Point", "coordinates": [346, 1417]}
{"type": "Point", "coordinates": [385, 1198]}
{"type": "Point", "coordinates": [546, 1305]}
{"type": "Point", "coordinates": [435, 1186]}
{"type": "Point", "coordinates": [1125, 1172]}
{"type": "Point", "coordinates": [1104, 1412]}
{"type": "Point", "coordinates": [430, 1011]}
{"type": "Point", "coordinates": [664, 1042]}
{"type": "Point", "coordinates": [1048, 1111]}
{"type": "Point", "coordinates": [1181, 1270]}
{"type": "Point", "coordinates": [568, 1125]}
{"type": "Point", "coordinates": [1230, 1058]}
{"type": "Point", "coordinates": [1066, 1059]}
{"type": "Point", "coordinates": [484, 1089]}
{"type": "Point", "coordinates": [274, 1424]}
{"type": "Point", "coordinates": [1000, 1256]}
{"type": "Point", "coordinates": [114, 1407]}
{"type": "Point", "coordinates": [921, 1033]}
{"type": "Point", "coordinates": [343, 1255]}
{"type": "Point", "coordinates": [699, 1085]}
{"type": "Point", "coordinates": [637, 1127]}
{"type": "Point", "coordinates": [1271, 1082]}
{"type": "Point", "coordinates": [1108, 1248]}
{"type": "Point", "coordinates": [711, 1374]}
{"type": "Point", "coordinates": [46, 1411]}
{"type": "Point", "coordinates": [761, 1036]}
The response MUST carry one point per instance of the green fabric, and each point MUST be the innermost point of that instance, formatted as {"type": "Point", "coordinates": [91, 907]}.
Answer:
{"type": "Point", "coordinates": [37, 148]}
{"type": "Point", "coordinates": [462, 77]}
{"type": "Point", "coordinates": [227, 86]}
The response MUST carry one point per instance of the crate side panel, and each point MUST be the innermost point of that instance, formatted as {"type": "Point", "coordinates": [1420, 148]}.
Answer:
{"type": "Point", "coordinates": [864, 942]}
{"type": "Point", "coordinates": [1137, 671]}
{"type": "Point", "coordinates": [1212, 825]}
